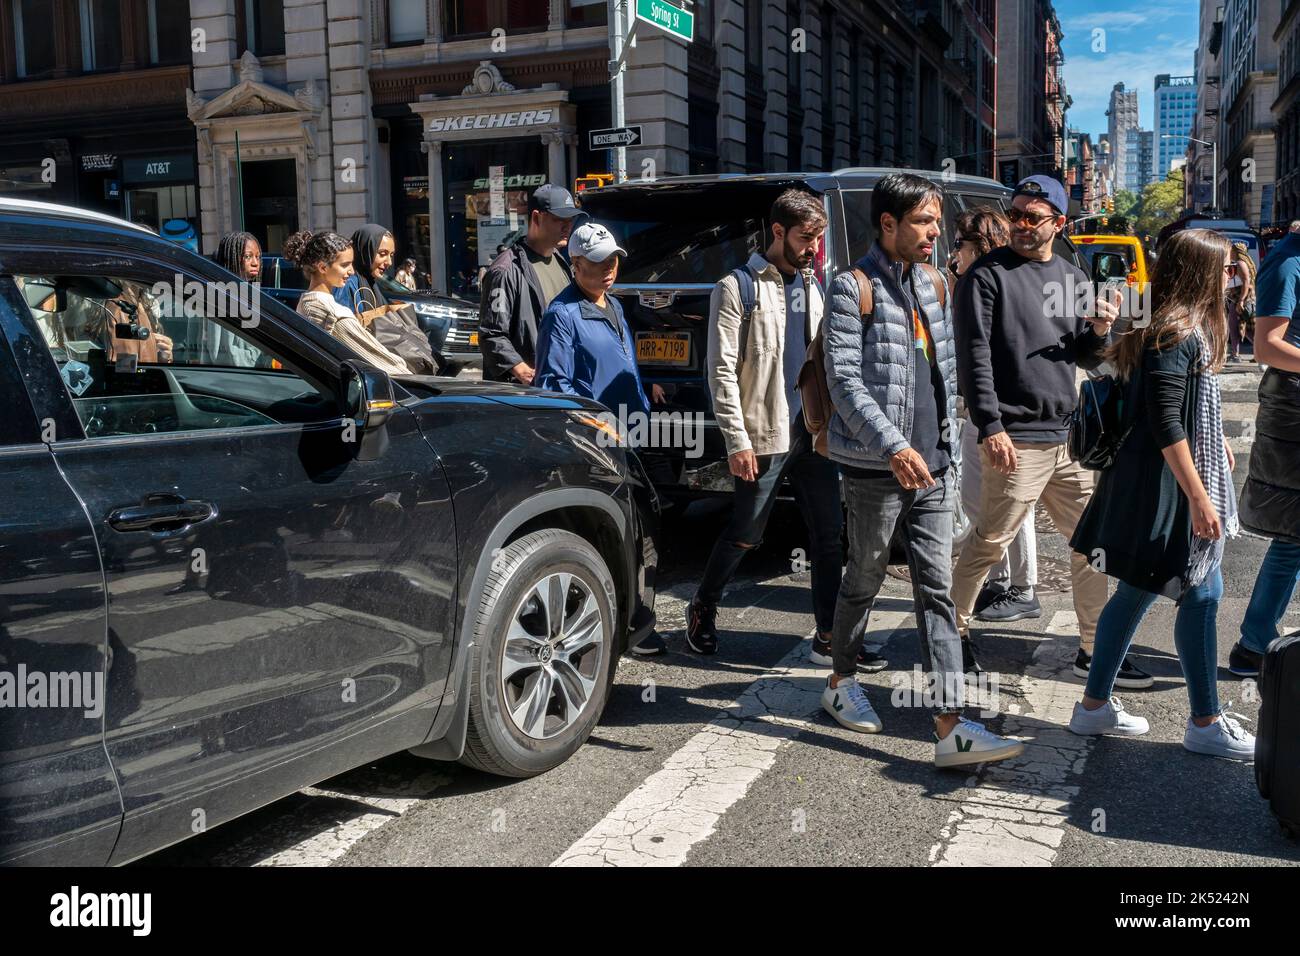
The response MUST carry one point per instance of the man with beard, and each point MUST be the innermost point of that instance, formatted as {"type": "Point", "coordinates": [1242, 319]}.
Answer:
{"type": "Point", "coordinates": [762, 318]}
{"type": "Point", "coordinates": [1022, 332]}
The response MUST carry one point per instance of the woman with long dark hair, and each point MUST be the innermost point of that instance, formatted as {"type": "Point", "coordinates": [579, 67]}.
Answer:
{"type": "Point", "coordinates": [1159, 516]}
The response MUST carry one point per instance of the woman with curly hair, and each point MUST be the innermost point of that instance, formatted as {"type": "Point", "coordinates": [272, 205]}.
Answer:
{"type": "Point", "coordinates": [325, 258]}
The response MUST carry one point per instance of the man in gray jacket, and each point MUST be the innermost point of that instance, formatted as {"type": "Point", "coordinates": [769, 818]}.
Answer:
{"type": "Point", "coordinates": [893, 383]}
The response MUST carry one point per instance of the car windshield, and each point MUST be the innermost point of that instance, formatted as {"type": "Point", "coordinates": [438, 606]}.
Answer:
{"type": "Point", "coordinates": [1090, 251]}
{"type": "Point", "coordinates": [682, 249]}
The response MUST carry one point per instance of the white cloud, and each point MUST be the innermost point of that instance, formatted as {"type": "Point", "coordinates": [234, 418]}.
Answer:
{"type": "Point", "coordinates": [1089, 79]}
{"type": "Point", "coordinates": [1118, 21]}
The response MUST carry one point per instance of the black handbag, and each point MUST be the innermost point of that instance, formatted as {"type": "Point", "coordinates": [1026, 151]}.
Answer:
{"type": "Point", "coordinates": [1100, 423]}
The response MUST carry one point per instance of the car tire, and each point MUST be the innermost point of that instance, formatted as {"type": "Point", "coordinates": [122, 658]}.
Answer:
{"type": "Point", "coordinates": [513, 679]}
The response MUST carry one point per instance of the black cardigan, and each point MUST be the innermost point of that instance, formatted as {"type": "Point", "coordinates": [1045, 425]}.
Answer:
{"type": "Point", "coordinates": [1137, 525]}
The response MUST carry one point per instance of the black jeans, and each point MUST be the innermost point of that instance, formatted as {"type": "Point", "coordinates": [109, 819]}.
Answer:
{"type": "Point", "coordinates": [816, 484]}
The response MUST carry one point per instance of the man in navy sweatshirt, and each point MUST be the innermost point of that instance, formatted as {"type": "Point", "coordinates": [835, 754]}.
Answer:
{"type": "Point", "coordinates": [1025, 322]}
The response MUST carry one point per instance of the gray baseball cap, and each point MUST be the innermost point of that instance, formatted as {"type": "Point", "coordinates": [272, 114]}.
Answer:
{"type": "Point", "coordinates": [556, 200]}
{"type": "Point", "coordinates": [594, 242]}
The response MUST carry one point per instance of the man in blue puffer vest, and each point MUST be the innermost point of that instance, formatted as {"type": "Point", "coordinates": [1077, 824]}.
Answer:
{"type": "Point", "coordinates": [892, 376]}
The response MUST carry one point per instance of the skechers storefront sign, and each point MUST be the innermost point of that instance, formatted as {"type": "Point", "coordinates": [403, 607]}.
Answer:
{"type": "Point", "coordinates": [453, 124]}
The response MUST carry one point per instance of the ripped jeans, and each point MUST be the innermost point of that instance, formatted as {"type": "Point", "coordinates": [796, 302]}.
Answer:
{"type": "Point", "coordinates": [816, 484]}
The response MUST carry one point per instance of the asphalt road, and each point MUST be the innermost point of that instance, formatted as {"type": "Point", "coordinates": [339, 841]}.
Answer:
{"type": "Point", "coordinates": [730, 760]}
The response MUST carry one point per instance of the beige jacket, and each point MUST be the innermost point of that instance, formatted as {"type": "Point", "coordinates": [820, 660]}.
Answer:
{"type": "Point", "coordinates": [340, 322]}
{"type": "Point", "coordinates": [749, 389]}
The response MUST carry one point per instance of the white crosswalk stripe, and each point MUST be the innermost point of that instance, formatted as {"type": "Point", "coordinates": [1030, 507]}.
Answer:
{"type": "Point", "coordinates": [681, 804]}
{"type": "Point", "coordinates": [1016, 809]}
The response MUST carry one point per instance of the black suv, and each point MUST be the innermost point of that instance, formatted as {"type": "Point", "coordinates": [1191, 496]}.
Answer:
{"type": "Point", "coordinates": [685, 233]}
{"type": "Point", "coordinates": [248, 562]}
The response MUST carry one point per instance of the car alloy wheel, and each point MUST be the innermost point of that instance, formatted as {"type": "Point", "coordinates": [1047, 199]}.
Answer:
{"type": "Point", "coordinates": [552, 657]}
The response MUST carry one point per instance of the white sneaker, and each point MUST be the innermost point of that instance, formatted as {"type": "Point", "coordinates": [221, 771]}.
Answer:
{"type": "Point", "coordinates": [1109, 718]}
{"type": "Point", "coordinates": [848, 704]}
{"type": "Point", "coordinates": [970, 743]}
{"type": "Point", "coordinates": [1224, 738]}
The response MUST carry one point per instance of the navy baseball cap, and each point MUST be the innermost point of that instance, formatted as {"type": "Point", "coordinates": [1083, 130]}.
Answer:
{"type": "Point", "coordinates": [1045, 188]}
{"type": "Point", "coordinates": [556, 200]}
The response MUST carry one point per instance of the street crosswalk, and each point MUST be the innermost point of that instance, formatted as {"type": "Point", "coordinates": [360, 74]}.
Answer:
{"type": "Point", "coordinates": [728, 775]}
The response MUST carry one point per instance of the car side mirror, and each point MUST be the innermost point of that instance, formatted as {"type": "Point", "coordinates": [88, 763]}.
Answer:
{"type": "Point", "coordinates": [366, 397]}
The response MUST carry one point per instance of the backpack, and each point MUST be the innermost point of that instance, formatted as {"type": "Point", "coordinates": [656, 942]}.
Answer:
{"type": "Point", "coordinates": [813, 386]}
{"type": "Point", "coordinates": [1100, 423]}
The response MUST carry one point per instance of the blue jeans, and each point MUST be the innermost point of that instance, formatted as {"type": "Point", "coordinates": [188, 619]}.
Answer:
{"type": "Point", "coordinates": [1274, 586]}
{"type": "Point", "coordinates": [923, 519]}
{"type": "Point", "coordinates": [1195, 637]}
{"type": "Point", "coordinates": [816, 484]}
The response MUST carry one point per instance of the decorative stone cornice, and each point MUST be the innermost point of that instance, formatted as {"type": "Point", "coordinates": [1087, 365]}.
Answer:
{"type": "Point", "coordinates": [487, 79]}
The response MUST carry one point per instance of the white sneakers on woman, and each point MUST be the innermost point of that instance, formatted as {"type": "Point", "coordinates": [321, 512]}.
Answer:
{"type": "Point", "coordinates": [1109, 718]}
{"type": "Point", "coordinates": [1224, 738]}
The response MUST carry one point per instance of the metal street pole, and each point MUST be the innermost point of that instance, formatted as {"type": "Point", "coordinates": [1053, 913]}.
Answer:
{"type": "Point", "coordinates": [617, 39]}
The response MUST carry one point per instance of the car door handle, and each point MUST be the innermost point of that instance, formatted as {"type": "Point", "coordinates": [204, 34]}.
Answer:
{"type": "Point", "coordinates": [179, 513]}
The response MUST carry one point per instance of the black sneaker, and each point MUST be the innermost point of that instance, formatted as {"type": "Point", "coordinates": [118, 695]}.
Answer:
{"type": "Point", "coordinates": [821, 652]}
{"type": "Point", "coordinates": [1243, 662]}
{"type": "Point", "coordinates": [650, 645]}
{"type": "Point", "coordinates": [868, 661]}
{"type": "Point", "coordinates": [968, 662]}
{"type": "Point", "coordinates": [1011, 605]}
{"type": "Point", "coordinates": [701, 632]}
{"type": "Point", "coordinates": [991, 591]}
{"type": "Point", "coordinates": [1130, 676]}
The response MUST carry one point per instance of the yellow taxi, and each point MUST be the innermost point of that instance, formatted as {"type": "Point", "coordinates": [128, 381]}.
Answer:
{"type": "Point", "coordinates": [1114, 257]}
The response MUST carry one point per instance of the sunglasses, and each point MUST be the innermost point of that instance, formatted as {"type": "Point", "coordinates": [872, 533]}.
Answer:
{"type": "Point", "coordinates": [1033, 220]}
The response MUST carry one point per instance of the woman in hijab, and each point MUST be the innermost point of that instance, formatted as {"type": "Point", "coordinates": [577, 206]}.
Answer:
{"type": "Point", "coordinates": [370, 290]}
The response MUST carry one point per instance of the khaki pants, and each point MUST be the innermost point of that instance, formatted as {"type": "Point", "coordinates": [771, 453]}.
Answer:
{"type": "Point", "coordinates": [1043, 471]}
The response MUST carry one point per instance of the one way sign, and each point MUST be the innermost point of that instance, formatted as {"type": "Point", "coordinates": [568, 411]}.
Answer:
{"type": "Point", "coordinates": [613, 138]}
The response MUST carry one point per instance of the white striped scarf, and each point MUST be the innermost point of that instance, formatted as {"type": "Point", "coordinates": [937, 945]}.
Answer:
{"type": "Point", "coordinates": [1211, 458]}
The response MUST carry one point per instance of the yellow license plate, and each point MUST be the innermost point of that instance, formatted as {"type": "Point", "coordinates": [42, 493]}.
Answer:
{"type": "Point", "coordinates": [663, 348]}
{"type": "Point", "coordinates": [473, 338]}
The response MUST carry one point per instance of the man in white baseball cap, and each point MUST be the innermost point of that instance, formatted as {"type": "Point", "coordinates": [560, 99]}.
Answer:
{"type": "Point", "coordinates": [584, 345]}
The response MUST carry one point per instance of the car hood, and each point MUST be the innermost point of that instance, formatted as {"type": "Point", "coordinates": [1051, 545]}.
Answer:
{"type": "Point", "coordinates": [503, 393]}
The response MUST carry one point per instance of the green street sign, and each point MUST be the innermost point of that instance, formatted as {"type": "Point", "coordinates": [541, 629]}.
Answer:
{"type": "Point", "coordinates": [666, 16]}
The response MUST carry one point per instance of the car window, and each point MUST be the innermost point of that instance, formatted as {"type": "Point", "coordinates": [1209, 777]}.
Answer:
{"type": "Point", "coordinates": [141, 358]}
{"type": "Point", "coordinates": [1106, 260]}
{"type": "Point", "coordinates": [683, 249]}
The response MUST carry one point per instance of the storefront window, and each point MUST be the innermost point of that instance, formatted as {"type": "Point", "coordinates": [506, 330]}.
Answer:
{"type": "Point", "coordinates": [475, 230]}
{"type": "Point", "coordinates": [25, 182]}
{"type": "Point", "coordinates": [406, 21]}
{"type": "Point", "coordinates": [34, 44]}
{"type": "Point", "coordinates": [154, 205]}
{"type": "Point", "coordinates": [588, 13]}
{"type": "Point", "coordinates": [169, 32]}
{"type": "Point", "coordinates": [101, 35]}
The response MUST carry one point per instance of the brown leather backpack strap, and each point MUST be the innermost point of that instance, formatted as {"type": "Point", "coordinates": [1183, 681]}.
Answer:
{"type": "Point", "coordinates": [865, 304]}
{"type": "Point", "coordinates": [940, 287]}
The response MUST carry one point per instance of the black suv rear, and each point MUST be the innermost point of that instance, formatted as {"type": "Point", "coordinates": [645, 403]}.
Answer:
{"type": "Point", "coordinates": [684, 234]}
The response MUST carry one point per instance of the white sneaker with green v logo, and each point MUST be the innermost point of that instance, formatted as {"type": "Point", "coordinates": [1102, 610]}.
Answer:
{"type": "Point", "coordinates": [970, 743]}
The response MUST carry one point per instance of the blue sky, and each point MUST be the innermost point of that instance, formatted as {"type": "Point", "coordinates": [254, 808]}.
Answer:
{"type": "Point", "coordinates": [1141, 40]}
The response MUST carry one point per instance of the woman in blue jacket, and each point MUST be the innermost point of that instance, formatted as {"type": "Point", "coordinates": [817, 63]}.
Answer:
{"type": "Point", "coordinates": [584, 346]}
